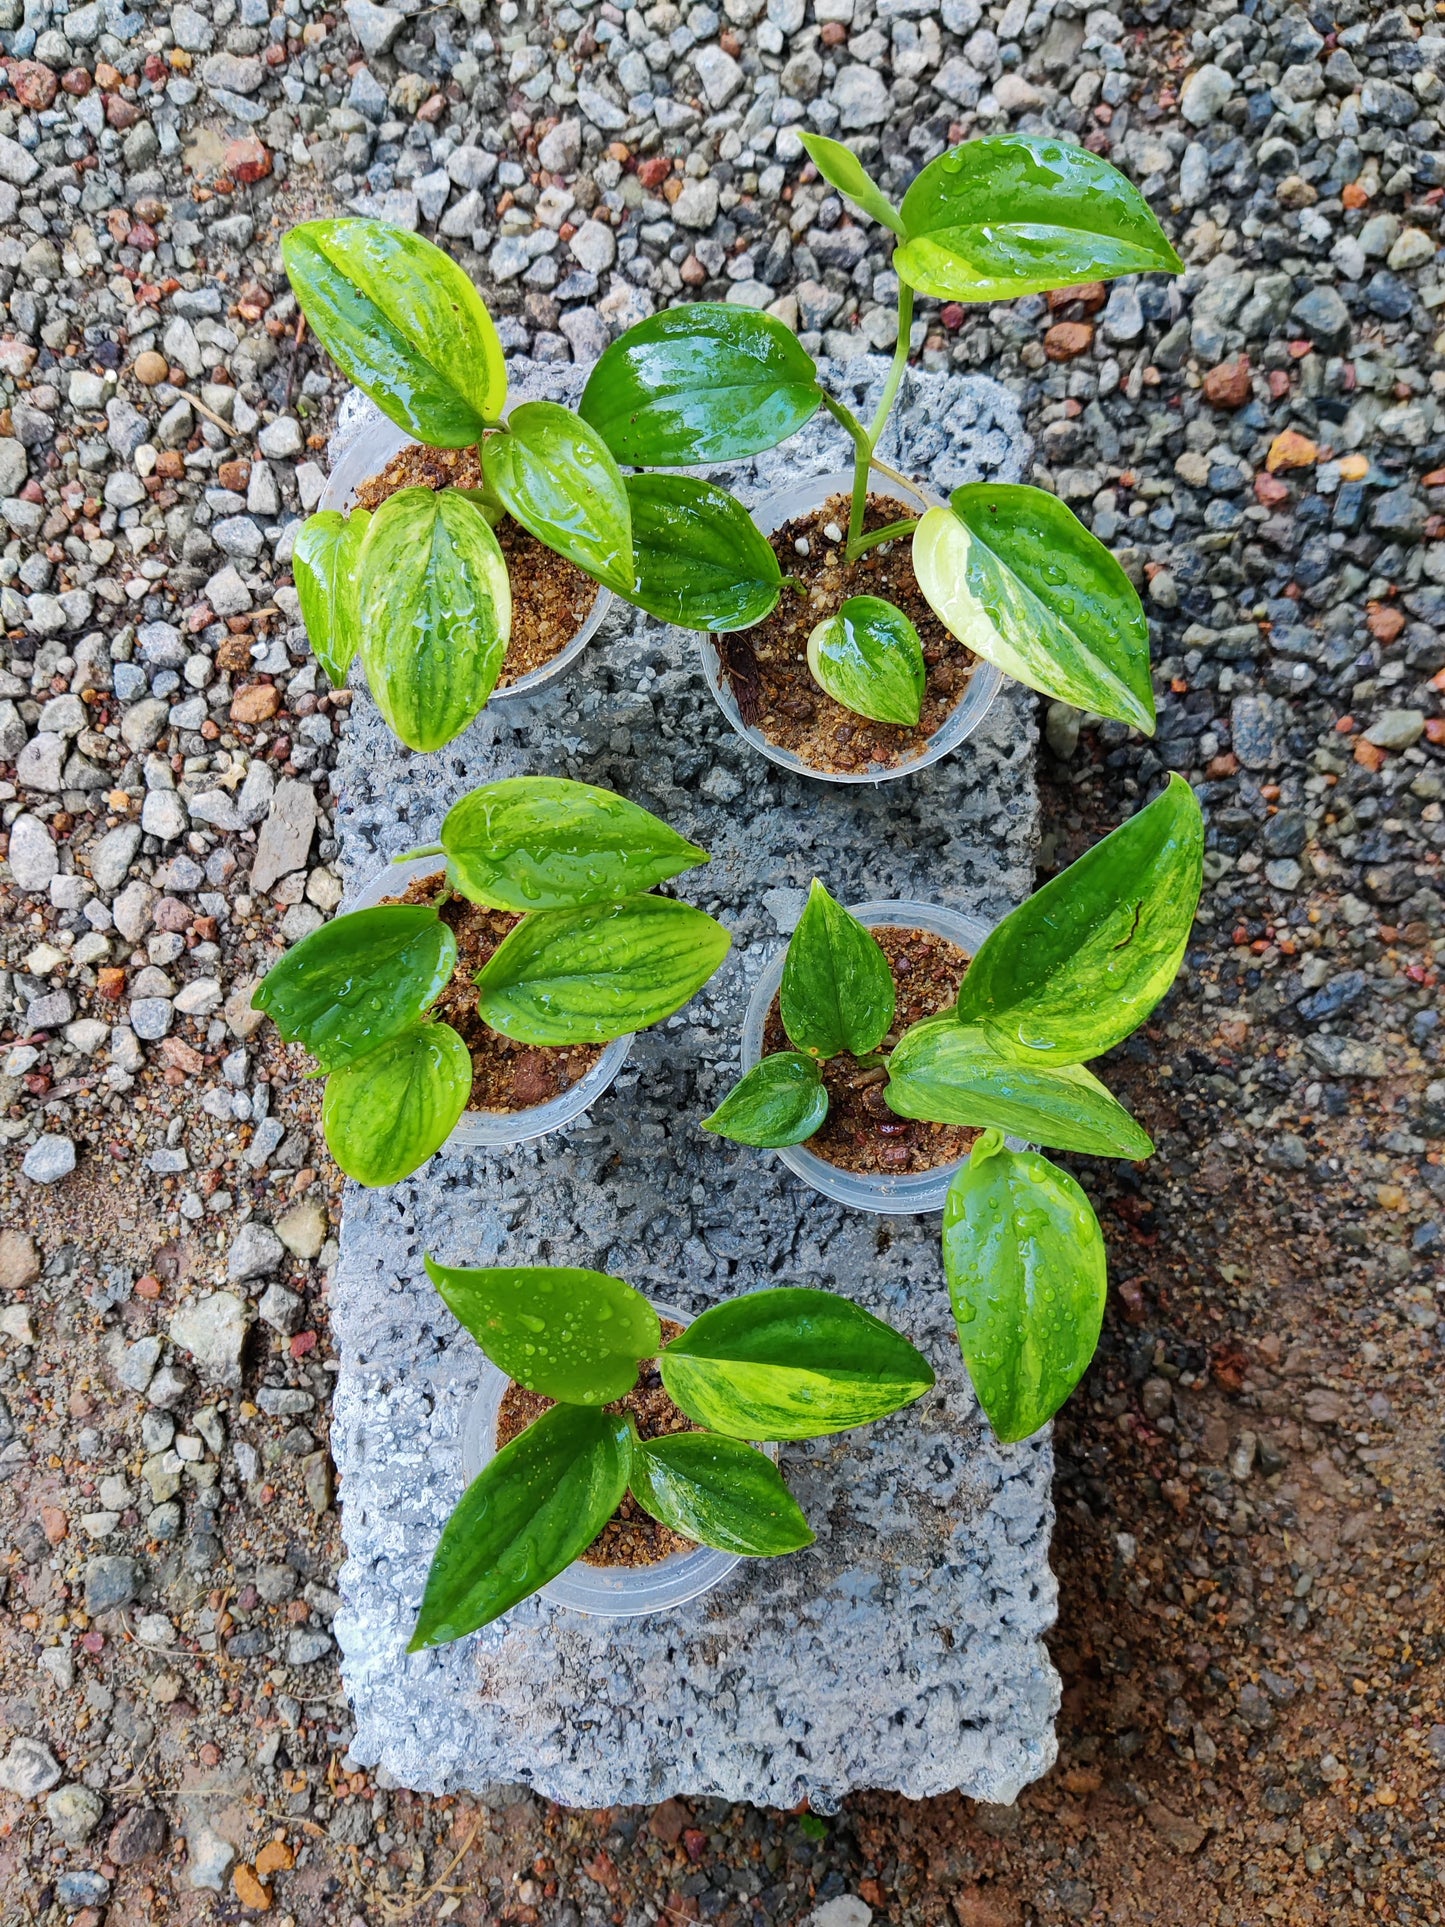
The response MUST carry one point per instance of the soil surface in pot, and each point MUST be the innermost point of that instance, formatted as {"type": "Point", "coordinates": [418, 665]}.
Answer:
{"type": "Point", "coordinates": [860, 1133]}
{"type": "Point", "coordinates": [630, 1537]}
{"type": "Point", "coordinates": [506, 1076]}
{"type": "Point", "coordinates": [767, 666]}
{"type": "Point", "coordinates": [551, 597]}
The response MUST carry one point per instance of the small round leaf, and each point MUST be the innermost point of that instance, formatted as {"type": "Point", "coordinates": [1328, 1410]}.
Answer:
{"type": "Point", "coordinates": [869, 658]}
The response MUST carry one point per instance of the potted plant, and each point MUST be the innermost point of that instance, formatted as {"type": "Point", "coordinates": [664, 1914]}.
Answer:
{"type": "Point", "coordinates": [490, 985]}
{"type": "Point", "coordinates": [1064, 978]}
{"type": "Point", "coordinates": [624, 1438]}
{"type": "Point", "coordinates": [860, 674]}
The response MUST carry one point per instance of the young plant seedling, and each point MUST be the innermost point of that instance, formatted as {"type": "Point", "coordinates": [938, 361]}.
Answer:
{"type": "Point", "coordinates": [1066, 977]}
{"type": "Point", "coordinates": [593, 956]}
{"type": "Point", "coordinates": [1007, 568]}
{"type": "Point", "coordinates": [774, 1365]}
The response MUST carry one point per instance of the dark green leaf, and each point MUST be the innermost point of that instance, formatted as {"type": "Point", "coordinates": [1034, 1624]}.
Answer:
{"type": "Point", "coordinates": [436, 613]}
{"type": "Point", "coordinates": [576, 1336]}
{"type": "Point", "coordinates": [1083, 962]}
{"type": "Point", "coordinates": [701, 560]}
{"type": "Point", "coordinates": [1018, 578]}
{"type": "Point", "coordinates": [719, 1492]}
{"type": "Point", "coordinates": [869, 658]}
{"type": "Point", "coordinates": [842, 169]}
{"type": "Point", "coordinates": [323, 566]}
{"type": "Point", "coordinates": [359, 980]}
{"type": "Point", "coordinates": [388, 1112]}
{"type": "Point", "coordinates": [554, 475]}
{"type": "Point", "coordinates": [781, 1101]}
{"type": "Point", "coordinates": [837, 991]}
{"type": "Point", "coordinates": [587, 975]}
{"type": "Point", "coordinates": [1015, 215]}
{"type": "Point", "coordinates": [791, 1364]}
{"type": "Point", "coordinates": [543, 843]}
{"type": "Point", "coordinates": [539, 1503]}
{"type": "Point", "coordinates": [1024, 1258]}
{"type": "Point", "coordinates": [404, 323]}
{"type": "Point", "coordinates": [702, 383]}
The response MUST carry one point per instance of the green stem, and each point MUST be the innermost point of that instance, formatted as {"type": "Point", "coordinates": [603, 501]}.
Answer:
{"type": "Point", "coordinates": [422, 849]}
{"type": "Point", "coordinates": [855, 428]}
{"type": "Point", "coordinates": [865, 440]}
{"type": "Point", "coordinates": [900, 362]}
{"type": "Point", "coordinates": [891, 534]}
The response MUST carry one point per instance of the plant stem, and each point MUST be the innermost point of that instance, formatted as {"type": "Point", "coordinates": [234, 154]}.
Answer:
{"type": "Point", "coordinates": [900, 362]}
{"type": "Point", "coordinates": [855, 428]}
{"type": "Point", "coordinates": [422, 849]}
{"type": "Point", "coordinates": [891, 534]}
{"type": "Point", "coordinates": [865, 440]}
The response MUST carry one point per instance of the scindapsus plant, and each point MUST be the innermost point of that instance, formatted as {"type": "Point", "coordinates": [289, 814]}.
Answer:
{"type": "Point", "coordinates": [773, 1365]}
{"type": "Point", "coordinates": [1063, 979]}
{"type": "Point", "coordinates": [583, 952]}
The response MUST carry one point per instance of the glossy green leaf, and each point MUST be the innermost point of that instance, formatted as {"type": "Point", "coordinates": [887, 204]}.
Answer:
{"type": "Point", "coordinates": [869, 658]}
{"type": "Point", "coordinates": [1024, 1258]}
{"type": "Point", "coordinates": [403, 322]}
{"type": "Point", "coordinates": [525, 1517]}
{"type": "Point", "coordinates": [842, 169]}
{"type": "Point", "coordinates": [719, 1492]}
{"type": "Point", "coordinates": [950, 1073]}
{"type": "Point", "coordinates": [791, 1364]}
{"type": "Point", "coordinates": [1079, 966]}
{"type": "Point", "coordinates": [436, 613]}
{"type": "Point", "coordinates": [543, 843]}
{"type": "Point", "coordinates": [781, 1100]}
{"type": "Point", "coordinates": [572, 1335]}
{"type": "Point", "coordinates": [705, 382]}
{"type": "Point", "coordinates": [1018, 578]}
{"type": "Point", "coordinates": [594, 973]}
{"type": "Point", "coordinates": [701, 560]}
{"type": "Point", "coordinates": [996, 218]}
{"type": "Point", "coordinates": [323, 567]}
{"type": "Point", "coordinates": [388, 1112]}
{"type": "Point", "coordinates": [837, 991]}
{"type": "Point", "coordinates": [359, 980]}
{"type": "Point", "coordinates": [555, 476]}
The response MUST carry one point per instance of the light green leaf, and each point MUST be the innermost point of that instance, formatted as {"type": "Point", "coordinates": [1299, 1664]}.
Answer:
{"type": "Point", "coordinates": [403, 322]}
{"type": "Point", "coordinates": [436, 613]}
{"type": "Point", "coordinates": [388, 1112]}
{"type": "Point", "coordinates": [782, 1100]}
{"type": "Point", "coordinates": [791, 1364]}
{"type": "Point", "coordinates": [323, 567]}
{"type": "Point", "coordinates": [837, 991]}
{"type": "Point", "coordinates": [1024, 1258]}
{"type": "Point", "coordinates": [576, 1336]}
{"type": "Point", "coordinates": [702, 561]}
{"type": "Point", "coordinates": [598, 972]}
{"type": "Point", "coordinates": [1018, 578]}
{"type": "Point", "coordinates": [842, 169]}
{"type": "Point", "coordinates": [1080, 965]}
{"type": "Point", "coordinates": [555, 476]}
{"type": "Point", "coordinates": [719, 1492]}
{"type": "Point", "coordinates": [869, 658]}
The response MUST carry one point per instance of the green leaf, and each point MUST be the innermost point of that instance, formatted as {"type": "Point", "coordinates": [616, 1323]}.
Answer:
{"type": "Point", "coordinates": [1024, 1258]}
{"type": "Point", "coordinates": [525, 1517]}
{"type": "Point", "coordinates": [576, 1336]}
{"type": "Point", "coordinates": [782, 1100]}
{"type": "Point", "coordinates": [842, 169]}
{"type": "Point", "coordinates": [869, 658]}
{"type": "Point", "coordinates": [1080, 965]}
{"type": "Point", "coordinates": [705, 382]}
{"type": "Point", "coordinates": [1018, 578]}
{"type": "Point", "coordinates": [403, 322]}
{"type": "Point", "coordinates": [997, 218]}
{"type": "Point", "coordinates": [543, 843]}
{"type": "Point", "coordinates": [388, 1112]}
{"type": "Point", "coordinates": [436, 613]}
{"type": "Point", "coordinates": [359, 980]}
{"type": "Point", "coordinates": [837, 991]}
{"type": "Point", "coordinates": [702, 561]}
{"type": "Point", "coordinates": [791, 1364]}
{"type": "Point", "coordinates": [556, 477]}
{"type": "Point", "coordinates": [323, 567]}
{"type": "Point", "coordinates": [950, 1073]}
{"type": "Point", "coordinates": [587, 975]}
{"type": "Point", "coordinates": [720, 1492]}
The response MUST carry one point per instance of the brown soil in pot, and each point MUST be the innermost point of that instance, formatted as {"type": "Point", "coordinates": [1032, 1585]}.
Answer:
{"type": "Point", "coordinates": [506, 1076]}
{"type": "Point", "coordinates": [551, 597]}
{"type": "Point", "coordinates": [630, 1537]}
{"type": "Point", "coordinates": [767, 666]}
{"type": "Point", "coordinates": [860, 1133]}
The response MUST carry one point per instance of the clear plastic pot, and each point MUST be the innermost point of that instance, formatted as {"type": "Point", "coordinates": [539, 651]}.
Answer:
{"type": "Point", "coordinates": [367, 455]}
{"type": "Point", "coordinates": [784, 505]}
{"type": "Point", "coordinates": [911, 1192]}
{"type": "Point", "coordinates": [499, 1128]}
{"type": "Point", "coordinates": [606, 1591]}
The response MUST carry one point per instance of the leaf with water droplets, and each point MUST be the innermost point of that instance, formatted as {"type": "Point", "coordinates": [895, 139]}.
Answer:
{"type": "Point", "coordinates": [719, 1492]}
{"type": "Point", "coordinates": [323, 564]}
{"type": "Point", "coordinates": [837, 991]}
{"type": "Point", "coordinates": [556, 476]}
{"type": "Point", "coordinates": [701, 559]}
{"type": "Point", "coordinates": [1024, 1258]}
{"type": "Point", "coordinates": [868, 657]}
{"type": "Point", "coordinates": [782, 1100]}
{"type": "Point", "coordinates": [388, 1112]}
{"type": "Point", "coordinates": [568, 1334]}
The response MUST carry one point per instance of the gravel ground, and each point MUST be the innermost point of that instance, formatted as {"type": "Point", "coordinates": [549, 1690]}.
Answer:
{"type": "Point", "coordinates": [1250, 1485]}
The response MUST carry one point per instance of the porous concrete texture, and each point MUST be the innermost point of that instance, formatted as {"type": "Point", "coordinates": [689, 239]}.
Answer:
{"type": "Point", "coordinates": [905, 1650]}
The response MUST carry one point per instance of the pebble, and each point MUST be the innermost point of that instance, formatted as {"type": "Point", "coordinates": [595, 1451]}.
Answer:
{"type": "Point", "coordinates": [49, 1159]}
{"type": "Point", "coordinates": [29, 1768]}
{"type": "Point", "coordinates": [75, 1812]}
{"type": "Point", "coordinates": [213, 1331]}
